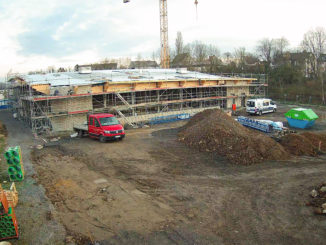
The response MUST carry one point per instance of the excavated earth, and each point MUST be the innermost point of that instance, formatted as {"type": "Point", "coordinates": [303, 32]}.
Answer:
{"type": "Point", "coordinates": [215, 131]}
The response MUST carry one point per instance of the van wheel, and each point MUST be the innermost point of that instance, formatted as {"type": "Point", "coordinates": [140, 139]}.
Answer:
{"type": "Point", "coordinates": [274, 110]}
{"type": "Point", "coordinates": [102, 139]}
{"type": "Point", "coordinates": [260, 113]}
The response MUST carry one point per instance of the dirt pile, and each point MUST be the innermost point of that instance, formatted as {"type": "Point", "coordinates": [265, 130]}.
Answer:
{"type": "Point", "coordinates": [317, 140]}
{"type": "Point", "coordinates": [308, 143]}
{"type": "Point", "coordinates": [215, 131]}
{"type": "Point", "coordinates": [318, 199]}
{"type": "Point", "coordinates": [298, 145]}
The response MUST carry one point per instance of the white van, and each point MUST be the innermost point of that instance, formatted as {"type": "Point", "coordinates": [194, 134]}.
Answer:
{"type": "Point", "coordinates": [260, 106]}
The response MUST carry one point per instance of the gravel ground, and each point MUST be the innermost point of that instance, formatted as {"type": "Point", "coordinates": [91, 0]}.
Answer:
{"type": "Point", "coordinates": [33, 207]}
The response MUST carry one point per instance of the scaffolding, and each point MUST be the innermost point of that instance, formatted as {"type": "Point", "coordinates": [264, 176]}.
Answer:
{"type": "Point", "coordinates": [43, 112]}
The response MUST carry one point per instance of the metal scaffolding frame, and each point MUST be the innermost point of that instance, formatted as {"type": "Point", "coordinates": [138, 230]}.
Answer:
{"type": "Point", "coordinates": [37, 111]}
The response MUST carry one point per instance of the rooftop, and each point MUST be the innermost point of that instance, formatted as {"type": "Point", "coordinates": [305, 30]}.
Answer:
{"type": "Point", "coordinates": [127, 75]}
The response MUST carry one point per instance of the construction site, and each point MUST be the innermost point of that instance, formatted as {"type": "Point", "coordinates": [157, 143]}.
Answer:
{"type": "Point", "coordinates": [186, 147]}
{"type": "Point", "coordinates": [57, 102]}
{"type": "Point", "coordinates": [207, 180]}
{"type": "Point", "coordinates": [221, 174]}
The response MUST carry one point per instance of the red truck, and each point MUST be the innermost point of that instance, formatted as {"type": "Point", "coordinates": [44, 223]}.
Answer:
{"type": "Point", "coordinates": [101, 126]}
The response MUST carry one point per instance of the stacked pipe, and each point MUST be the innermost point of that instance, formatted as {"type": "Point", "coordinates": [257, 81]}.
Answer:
{"type": "Point", "coordinates": [8, 221]}
{"type": "Point", "coordinates": [15, 164]}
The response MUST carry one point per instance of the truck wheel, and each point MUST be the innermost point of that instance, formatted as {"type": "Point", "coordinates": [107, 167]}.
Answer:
{"type": "Point", "coordinates": [102, 139]}
{"type": "Point", "coordinates": [80, 134]}
{"type": "Point", "coordinates": [260, 113]}
{"type": "Point", "coordinates": [274, 110]}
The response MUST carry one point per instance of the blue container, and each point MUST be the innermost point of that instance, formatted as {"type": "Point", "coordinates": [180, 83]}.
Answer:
{"type": "Point", "coordinates": [295, 123]}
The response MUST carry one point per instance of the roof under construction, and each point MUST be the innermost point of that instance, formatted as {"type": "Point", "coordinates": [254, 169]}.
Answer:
{"type": "Point", "coordinates": [128, 75]}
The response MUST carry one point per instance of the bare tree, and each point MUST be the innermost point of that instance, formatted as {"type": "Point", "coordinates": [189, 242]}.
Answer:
{"type": "Point", "coordinates": [240, 55]}
{"type": "Point", "coordinates": [179, 43]}
{"type": "Point", "coordinates": [280, 45]}
{"type": "Point", "coordinates": [199, 51]}
{"type": "Point", "coordinates": [264, 51]}
{"type": "Point", "coordinates": [314, 42]}
{"type": "Point", "coordinates": [188, 49]}
{"type": "Point", "coordinates": [212, 50]}
{"type": "Point", "coordinates": [227, 55]}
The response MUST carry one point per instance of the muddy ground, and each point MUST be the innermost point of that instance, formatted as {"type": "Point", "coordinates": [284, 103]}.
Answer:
{"type": "Point", "coordinates": [152, 189]}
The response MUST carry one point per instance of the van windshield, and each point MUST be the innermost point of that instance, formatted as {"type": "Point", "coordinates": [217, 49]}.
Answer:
{"type": "Point", "coordinates": [251, 103]}
{"type": "Point", "coordinates": [107, 121]}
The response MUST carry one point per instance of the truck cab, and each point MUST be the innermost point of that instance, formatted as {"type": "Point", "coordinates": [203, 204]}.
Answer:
{"type": "Point", "coordinates": [260, 106]}
{"type": "Point", "coordinates": [105, 127]}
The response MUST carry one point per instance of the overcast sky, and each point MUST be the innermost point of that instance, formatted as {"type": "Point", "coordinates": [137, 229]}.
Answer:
{"type": "Point", "coordinates": [36, 34]}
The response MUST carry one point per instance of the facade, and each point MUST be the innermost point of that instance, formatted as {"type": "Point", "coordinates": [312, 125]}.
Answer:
{"type": "Point", "coordinates": [59, 101]}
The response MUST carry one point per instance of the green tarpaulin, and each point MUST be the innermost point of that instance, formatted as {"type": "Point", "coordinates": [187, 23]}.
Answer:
{"type": "Point", "coordinates": [302, 114]}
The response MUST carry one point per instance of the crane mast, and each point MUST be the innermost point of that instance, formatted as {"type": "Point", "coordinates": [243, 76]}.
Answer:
{"type": "Point", "coordinates": [165, 55]}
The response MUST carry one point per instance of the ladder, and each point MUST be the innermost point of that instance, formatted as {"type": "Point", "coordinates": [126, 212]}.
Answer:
{"type": "Point", "coordinates": [123, 100]}
{"type": "Point", "coordinates": [125, 118]}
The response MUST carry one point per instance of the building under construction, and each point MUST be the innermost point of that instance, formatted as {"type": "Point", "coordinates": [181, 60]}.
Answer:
{"type": "Point", "coordinates": [59, 101]}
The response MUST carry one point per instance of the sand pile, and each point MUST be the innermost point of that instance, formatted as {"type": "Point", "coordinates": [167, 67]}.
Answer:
{"type": "Point", "coordinates": [215, 131]}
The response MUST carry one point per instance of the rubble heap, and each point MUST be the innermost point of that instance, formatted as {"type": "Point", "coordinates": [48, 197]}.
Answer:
{"type": "Point", "coordinates": [318, 199]}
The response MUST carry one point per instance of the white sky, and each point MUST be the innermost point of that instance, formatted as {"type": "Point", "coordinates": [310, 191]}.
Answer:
{"type": "Point", "coordinates": [36, 34]}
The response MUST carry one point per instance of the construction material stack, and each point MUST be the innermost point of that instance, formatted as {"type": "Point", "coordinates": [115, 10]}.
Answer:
{"type": "Point", "coordinates": [255, 124]}
{"type": "Point", "coordinates": [15, 164]}
{"type": "Point", "coordinates": [8, 221]}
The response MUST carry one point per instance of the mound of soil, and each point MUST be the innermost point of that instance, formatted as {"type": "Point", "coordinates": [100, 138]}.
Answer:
{"type": "Point", "coordinates": [298, 145]}
{"type": "Point", "coordinates": [317, 140]}
{"type": "Point", "coordinates": [307, 143]}
{"type": "Point", "coordinates": [215, 131]}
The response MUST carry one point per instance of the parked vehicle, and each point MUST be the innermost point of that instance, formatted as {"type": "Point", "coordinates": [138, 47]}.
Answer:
{"type": "Point", "coordinates": [101, 126]}
{"type": "Point", "coordinates": [260, 106]}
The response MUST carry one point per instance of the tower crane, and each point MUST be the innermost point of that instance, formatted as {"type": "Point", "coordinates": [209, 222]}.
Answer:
{"type": "Point", "coordinates": [165, 54]}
